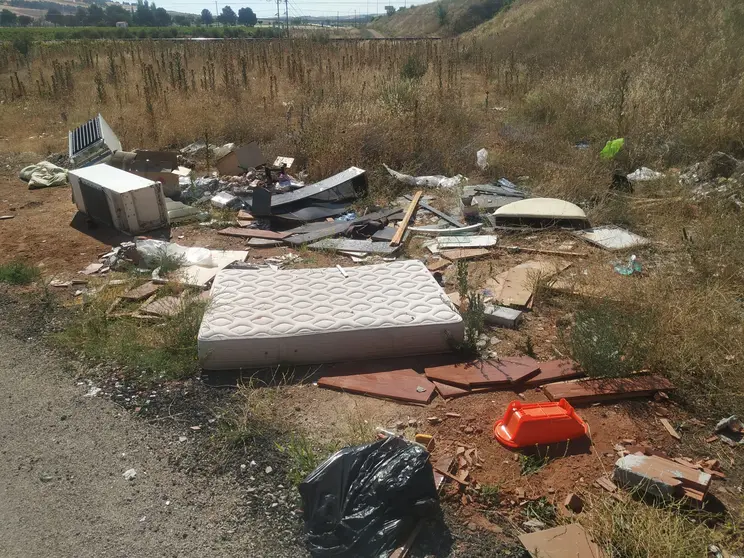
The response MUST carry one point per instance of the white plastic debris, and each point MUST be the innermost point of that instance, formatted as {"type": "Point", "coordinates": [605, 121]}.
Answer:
{"type": "Point", "coordinates": [130, 474]}
{"type": "Point", "coordinates": [93, 391]}
{"type": "Point", "coordinates": [644, 174]}
{"type": "Point", "coordinates": [268, 470]}
{"type": "Point", "coordinates": [437, 181]}
{"type": "Point", "coordinates": [155, 250]}
{"type": "Point", "coordinates": [481, 159]}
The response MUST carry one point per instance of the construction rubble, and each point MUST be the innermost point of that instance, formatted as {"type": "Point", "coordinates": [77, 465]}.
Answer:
{"type": "Point", "coordinates": [377, 321]}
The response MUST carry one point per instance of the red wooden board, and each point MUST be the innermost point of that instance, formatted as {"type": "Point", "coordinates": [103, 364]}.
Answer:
{"type": "Point", "coordinates": [401, 385]}
{"type": "Point", "coordinates": [554, 371]}
{"type": "Point", "coordinates": [450, 392]}
{"type": "Point", "coordinates": [485, 373]}
{"type": "Point", "coordinates": [606, 389]}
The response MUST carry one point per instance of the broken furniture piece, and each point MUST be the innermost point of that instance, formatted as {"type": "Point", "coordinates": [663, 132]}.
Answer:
{"type": "Point", "coordinates": [532, 424]}
{"type": "Point", "coordinates": [119, 199]}
{"type": "Point", "coordinates": [92, 143]}
{"type": "Point", "coordinates": [661, 477]}
{"type": "Point", "coordinates": [310, 316]}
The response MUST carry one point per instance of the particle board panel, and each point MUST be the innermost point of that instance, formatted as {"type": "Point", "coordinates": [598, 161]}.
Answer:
{"type": "Point", "coordinates": [463, 253]}
{"type": "Point", "coordinates": [564, 541]}
{"type": "Point", "coordinates": [253, 233]}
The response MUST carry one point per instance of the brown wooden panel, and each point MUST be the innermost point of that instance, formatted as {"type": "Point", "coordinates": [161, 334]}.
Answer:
{"type": "Point", "coordinates": [606, 389]}
{"type": "Point", "coordinates": [554, 371]}
{"type": "Point", "coordinates": [402, 385]}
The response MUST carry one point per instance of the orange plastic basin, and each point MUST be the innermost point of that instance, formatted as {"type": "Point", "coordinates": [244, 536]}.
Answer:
{"type": "Point", "coordinates": [529, 424]}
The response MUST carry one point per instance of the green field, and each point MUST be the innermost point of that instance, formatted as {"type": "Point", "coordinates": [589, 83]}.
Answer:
{"type": "Point", "coordinates": [63, 33]}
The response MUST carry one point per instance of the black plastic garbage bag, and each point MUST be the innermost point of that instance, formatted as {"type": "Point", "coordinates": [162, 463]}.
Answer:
{"type": "Point", "coordinates": [363, 500]}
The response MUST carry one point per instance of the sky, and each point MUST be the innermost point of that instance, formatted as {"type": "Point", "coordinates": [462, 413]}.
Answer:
{"type": "Point", "coordinates": [265, 9]}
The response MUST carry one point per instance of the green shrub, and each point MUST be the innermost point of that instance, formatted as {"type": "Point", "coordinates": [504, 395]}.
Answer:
{"type": "Point", "coordinates": [18, 273]}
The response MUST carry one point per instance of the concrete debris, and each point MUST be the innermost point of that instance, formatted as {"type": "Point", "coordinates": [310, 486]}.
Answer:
{"type": "Point", "coordinates": [574, 503]}
{"type": "Point", "coordinates": [437, 181]}
{"type": "Point", "coordinates": [225, 199]}
{"type": "Point", "coordinates": [481, 159]}
{"type": "Point", "coordinates": [130, 474]}
{"type": "Point", "coordinates": [612, 238]}
{"type": "Point", "coordinates": [661, 477]}
{"type": "Point", "coordinates": [501, 316]}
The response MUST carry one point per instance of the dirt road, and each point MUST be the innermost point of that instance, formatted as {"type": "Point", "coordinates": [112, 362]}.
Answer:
{"type": "Point", "coordinates": [62, 493]}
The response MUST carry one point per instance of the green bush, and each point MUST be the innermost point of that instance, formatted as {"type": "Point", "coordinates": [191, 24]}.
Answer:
{"type": "Point", "coordinates": [18, 273]}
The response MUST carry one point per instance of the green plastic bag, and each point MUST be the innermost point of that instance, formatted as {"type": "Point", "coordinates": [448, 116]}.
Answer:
{"type": "Point", "coordinates": [612, 148]}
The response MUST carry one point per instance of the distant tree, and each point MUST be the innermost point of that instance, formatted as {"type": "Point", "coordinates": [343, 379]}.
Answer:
{"type": "Point", "coordinates": [54, 16]}
{"type": "Point", "coordinates": [441, 14]}
{"type": "Point", "coordinates": [180, 19]}
{"type": "Point", "coordinates": [247, 17]}
{"type": "Point", "coordinates": [95, 16]}
{"type": "Point", "coordinates": [116, 12]}
{"type": "Point", "coordinates": [144, 16]}
{"type": "Point", "coordinates": [390, 10]}
{"type": "Point", "coordinates": [161, 18]}
{"type": "Point", "coordinates": [8, 18]}
{"type": "Point", "coordinates": [80, 16]}
{"type": "Point", "coordinates": [227, 17]}
{"type": "Point", "coordinates": [206, 17]}
{"type": "Point", "coordinates": [24, 20]}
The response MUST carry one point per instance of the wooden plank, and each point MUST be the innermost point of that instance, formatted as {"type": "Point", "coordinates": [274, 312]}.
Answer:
{"type": "Point", "coordinates": [351, 245]}
{"type": "Point", "coordinates": [669, 428]}
{"type": "Point", "coordinates": [437, 264]}
{"type": "Point", "coordinates": [514, 286]}
{"type": "Point", "coordinates": [243, 215]}
{"type": "Point", "coordinates": [253, 233]}
{"type": "Point", "coordinates": [606, 389]}
{"type": "Point", "coordinates": [315, 231]}
{"type": "Point", "coordinates": [441, 214]}
{"type": "Point", "coordinates": [447, 391]}
{"type": "Point", "coordinates": [484, 374]}
{"type": "Point", "coordinates": [401, 385]}
{"type": "Point", "coordinates": [464, 253]}
{"type": "Point", "coordinates": [554, 371]}
{"type": "Point", "coordinates": [546, 252]}
{"type": "Point", "coordinates": [143, 291]}
{"type": "Point", "coordinates": [166, 306]}
{"type": "Point", "coordinates": [564, 541]}
{"type": "Point", "coordinates": [398, 238]}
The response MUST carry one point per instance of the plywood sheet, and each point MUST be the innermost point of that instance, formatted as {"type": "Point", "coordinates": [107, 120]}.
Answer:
{"type": "Point", "coordinates": [514, 287]}
{"type": "Point", "coordinates": [464, 253]}
{"type": "Point", "coordinates": [401, 385]}
{"type": "Point", "coordinates": [447, 391]}
{"type": "Point", "coordinates": [607, 389]}
{"type": "Point", "coordinates": [141, 292]}
{"type": "Point", "coordinates": [166, 306]}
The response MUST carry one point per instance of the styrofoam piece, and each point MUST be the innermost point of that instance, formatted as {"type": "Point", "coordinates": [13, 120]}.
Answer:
{"type": "Point", "coordinates": [224, 199]}
{"type": "Point", "coordinates": [446, 231]}
{"type": "Point", "coordinates": [475, 241]}
{"type": "Point", "coordinates": [612, 238]}
{"type": "Point", "coordinates": [302, 316]}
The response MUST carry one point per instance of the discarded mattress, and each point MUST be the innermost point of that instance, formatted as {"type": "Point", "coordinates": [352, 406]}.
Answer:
{"type": "Point", "coordinates": [544, 210]}
{"type": "Point", "coordinates": [307, 316]}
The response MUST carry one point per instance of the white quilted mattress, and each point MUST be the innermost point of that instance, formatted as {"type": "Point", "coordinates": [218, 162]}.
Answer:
{"type": "Point", "coordinates": [308, 316]}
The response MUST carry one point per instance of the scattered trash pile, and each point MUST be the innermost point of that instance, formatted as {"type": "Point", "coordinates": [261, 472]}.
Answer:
{"type": "Point", "coordinates": [719, 177]}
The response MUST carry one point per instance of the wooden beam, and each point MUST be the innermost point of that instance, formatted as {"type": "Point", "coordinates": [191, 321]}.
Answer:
{"type": "Point", "coordinates": [406, 218]}
{"type": "Point", "coordinates": [441, 214]}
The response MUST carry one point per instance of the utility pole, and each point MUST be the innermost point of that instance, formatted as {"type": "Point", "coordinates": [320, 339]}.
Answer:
{"type": "Point", "coordinates": [216, 9]}
{"type": "Point", "coordinates": [338, 22]}
{"type": "Point", "coordinates": [278, 21]}
{"type": "Point", "coordinates": [286, 15]}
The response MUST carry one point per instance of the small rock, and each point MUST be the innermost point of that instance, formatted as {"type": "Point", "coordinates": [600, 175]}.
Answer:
{"type": "Point", "coordinates": [182, 438]}
{"type": "Point", "coordinates": [130, 474]}
{"type": "Point", "coordinates": [453, 415]}
{"type": "Point", "coordinates": [167, 502]}
{"type": "Point", "coordinates": [413, 423]}
{"type": "Point", "coordinates": [574, 503]}
{"type": "Point", "coordinates": [46, 478]}
{"type": "Point", "coordinates": [243, 466]}
{"type": "Point", "coordinates": [274, 504]}
{"type": "Point", "coordinates": [551, 490]}
{"type": "Point", "coordinates": [472, 526]}
{"type": "Point", "coordinates": [434, 420]}
{"type": "Point", "coordinates": [468, 430]}
{"type": "Point", "coordinates": [268, 470]}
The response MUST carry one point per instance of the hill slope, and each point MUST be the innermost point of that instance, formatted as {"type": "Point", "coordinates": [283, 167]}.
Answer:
{"type": "Point", "coordinates": [425, 20]}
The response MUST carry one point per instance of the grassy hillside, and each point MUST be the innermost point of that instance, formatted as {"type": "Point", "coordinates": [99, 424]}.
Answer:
{"type": "Point", "coordinates": [440, 19]}
{"type": "Point", "coordinates": [667, 75]}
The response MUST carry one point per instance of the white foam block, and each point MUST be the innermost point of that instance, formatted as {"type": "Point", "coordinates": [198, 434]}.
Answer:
{"type": "Point", "coordinates": [306, 316]}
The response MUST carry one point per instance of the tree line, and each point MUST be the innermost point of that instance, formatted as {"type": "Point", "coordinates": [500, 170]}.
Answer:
{"type": "Point", "coordinates": [146, 14]}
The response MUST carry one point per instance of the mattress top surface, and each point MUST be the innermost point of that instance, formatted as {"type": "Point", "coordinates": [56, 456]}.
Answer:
{"type": "Point", "coordinates": [265, 303]}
